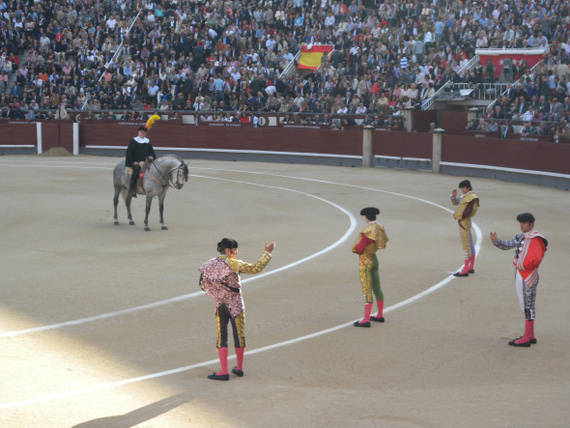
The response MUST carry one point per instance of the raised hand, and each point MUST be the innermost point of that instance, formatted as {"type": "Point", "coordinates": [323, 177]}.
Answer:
{"type": "Point", "coordinates": [269, 246]}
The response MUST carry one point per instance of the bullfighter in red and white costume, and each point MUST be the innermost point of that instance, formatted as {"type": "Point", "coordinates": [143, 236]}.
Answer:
{"type": "Point", "coordinates": [530, 249]}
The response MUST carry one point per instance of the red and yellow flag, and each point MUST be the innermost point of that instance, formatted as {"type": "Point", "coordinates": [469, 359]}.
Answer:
{"type": "Point", "coordinates": [310, 58]}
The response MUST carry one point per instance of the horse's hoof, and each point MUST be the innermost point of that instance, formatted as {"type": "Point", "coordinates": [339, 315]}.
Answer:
{"type": "Point", "coordinates": [164, 228]}
{"type": "Point", "coordinates": [132, 223]}
{"type": "Point", "coordinates": [116, 223]}
{"type": "Point", "coordinates": [147, 229]}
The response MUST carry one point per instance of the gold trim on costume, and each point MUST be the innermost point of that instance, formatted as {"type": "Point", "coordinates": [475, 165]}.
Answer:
{"type": "Point", "coordinates": [240, 327]}
{"type": "Point", "coordinates": [239, 266]}
{"type": "Point", "coordinates": [465, 200]}
{"type": "Point", "coordinates": [377, 233]}
{"type": "Point", "coordinates": [218, 330]}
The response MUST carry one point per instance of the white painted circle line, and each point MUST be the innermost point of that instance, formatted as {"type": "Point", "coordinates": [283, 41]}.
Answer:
{"type": "Point", "coordinates": [73, 393]}
{"type": "Point", "coordinates": [111, 385]}
{"type": "Point", "coordinates": [200, 293]}
{"type": "Point", "coordinates": [372, 189]}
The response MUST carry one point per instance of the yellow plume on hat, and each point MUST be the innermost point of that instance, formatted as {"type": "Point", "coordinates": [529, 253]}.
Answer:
{"type": "Point", "coordinates": [151, 121]}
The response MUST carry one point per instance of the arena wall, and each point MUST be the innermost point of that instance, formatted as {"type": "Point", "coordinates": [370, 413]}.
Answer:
{"type": "Point", "coordinates": [537, 162]}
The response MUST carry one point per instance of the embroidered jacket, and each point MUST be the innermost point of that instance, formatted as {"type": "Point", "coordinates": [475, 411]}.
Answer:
{"type": "Point", "coordinates": [371, 239]}
{"type": "Point", "coordinates": [466, 208]}
{"type": "Point", "coordinates": [530, 249]}
{"type": "Point", "coordinates": [220, 279]}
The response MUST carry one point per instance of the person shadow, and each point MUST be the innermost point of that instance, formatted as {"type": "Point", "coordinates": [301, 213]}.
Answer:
{"type": "Point", "coordinates": [137, 416]}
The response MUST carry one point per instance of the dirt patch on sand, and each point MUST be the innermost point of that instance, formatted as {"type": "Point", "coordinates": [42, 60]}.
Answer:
{"type": "Point", "coordinates": [57, 151]}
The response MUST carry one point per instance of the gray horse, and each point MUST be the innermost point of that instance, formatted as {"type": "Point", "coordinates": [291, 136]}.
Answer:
{"type": "Point", "coordinates": [165, 172]}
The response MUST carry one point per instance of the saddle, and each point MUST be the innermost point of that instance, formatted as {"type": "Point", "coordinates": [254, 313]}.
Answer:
{"type": "Point", "coordinates": [144, 166]}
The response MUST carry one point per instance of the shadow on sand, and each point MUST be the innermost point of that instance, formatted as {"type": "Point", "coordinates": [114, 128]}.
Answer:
{"type": "Point", "coordinates": [137, 416]}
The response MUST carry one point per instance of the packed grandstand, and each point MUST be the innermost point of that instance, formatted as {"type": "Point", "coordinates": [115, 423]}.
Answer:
{"type": "Point", "coordinates": [121, 58]}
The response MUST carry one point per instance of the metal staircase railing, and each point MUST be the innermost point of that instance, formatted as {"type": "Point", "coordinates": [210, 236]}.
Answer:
{"type": "Point", "coordinates": [428, 103]}
{"type": "Point", "coordinates": [520, 81]}
{"type": "Point", "coordinates": [117, 53]}
{"type": "Point", "coordinates": [291, 67]}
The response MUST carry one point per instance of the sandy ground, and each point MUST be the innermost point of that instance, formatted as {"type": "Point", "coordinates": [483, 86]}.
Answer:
{"type": "Point", "coordinates": [104, 326]}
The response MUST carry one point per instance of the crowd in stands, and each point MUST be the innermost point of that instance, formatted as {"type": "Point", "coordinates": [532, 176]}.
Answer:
{"type": "Point", "coordinates": [228, 56]}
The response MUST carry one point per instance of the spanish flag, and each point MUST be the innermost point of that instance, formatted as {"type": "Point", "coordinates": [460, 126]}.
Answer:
{"type": "Point", "coordinates": [310, 58]}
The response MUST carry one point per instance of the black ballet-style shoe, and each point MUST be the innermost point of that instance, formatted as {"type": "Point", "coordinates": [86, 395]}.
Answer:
{"type": "Point", "coordinates": [461, 274]}
{"type": "Point", "coordinates": [377, 319]}
{"type": "Point", "coordinates": [238, 372]}
{"type": "Point", "coordinates": [471, 271]}
{"type": "Point", "coordinates": [362, 324]}
{"type": "Point", "coordinates": [534, 341]}
{"type": "Point", "coordinates": [215, 376]}
{"type": "Point", "coordinates": [521, 345]}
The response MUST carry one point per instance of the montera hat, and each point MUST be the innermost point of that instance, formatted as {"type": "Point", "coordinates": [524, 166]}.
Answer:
{"type": "Point", "coordinates": [525, 218]}
{"type": "Point", "coordinates": [370, 212]}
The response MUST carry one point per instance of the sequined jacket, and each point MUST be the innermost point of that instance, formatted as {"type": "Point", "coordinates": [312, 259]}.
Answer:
{"type": "Point", "coordinates": [371, 239]}
{"type": "Point", "coordinates": [466, 208]}
{"type": "Point", "coordinates": [220, 279]}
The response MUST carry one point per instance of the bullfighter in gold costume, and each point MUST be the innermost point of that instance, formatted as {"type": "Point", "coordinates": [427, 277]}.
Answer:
{"type": "Point", "coordinates": [371, 239]}
{"type": "Point", "coordinates": [466, 208]}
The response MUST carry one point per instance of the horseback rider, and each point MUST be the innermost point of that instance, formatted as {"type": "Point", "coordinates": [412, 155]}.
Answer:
{"type": "Point", "coordinates": [139, 151]}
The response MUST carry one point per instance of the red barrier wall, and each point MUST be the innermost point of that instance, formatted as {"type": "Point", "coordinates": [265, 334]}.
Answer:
{"type": "Point", "coordinates": [422, 119]}
{"type": "Point", "coordinates": [453, 122]}
{"type": "Point", "coordinates": [403, 144]}
{"type": "Point", "coordinates": [530, 155]}
{"type": "Point", "coordinates": [238, 137]}
{"type": "Point", "coordinates": [57, 133]}
{"type": "Point", "coordinates": [17, 132]}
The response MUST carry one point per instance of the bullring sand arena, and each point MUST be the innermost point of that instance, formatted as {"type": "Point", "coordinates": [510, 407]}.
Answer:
{"type": "Point", "coordinates": [105, 326]}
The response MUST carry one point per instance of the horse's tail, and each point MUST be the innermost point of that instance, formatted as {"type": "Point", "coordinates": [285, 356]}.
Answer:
{"type": "Point", "coordinates": [120, 176]}
{"type": "Point", "coordinates": [124, 193]}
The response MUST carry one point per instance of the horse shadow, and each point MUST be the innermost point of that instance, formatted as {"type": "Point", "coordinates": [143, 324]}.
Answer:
{"type": "Point", "coordinates": [138, 416]}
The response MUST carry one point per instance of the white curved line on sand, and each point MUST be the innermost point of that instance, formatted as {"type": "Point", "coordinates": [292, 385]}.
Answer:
{"type": "Point", "coordinates": [199, 293]}
{"type": "Point", "coordinates": [111, 385]}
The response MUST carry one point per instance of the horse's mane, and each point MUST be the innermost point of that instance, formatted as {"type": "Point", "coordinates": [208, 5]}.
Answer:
{"type": "Point", "coordinates": [178, 158]}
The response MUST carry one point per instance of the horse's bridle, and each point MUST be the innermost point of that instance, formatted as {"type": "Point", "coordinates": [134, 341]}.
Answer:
{"type": "Point", "coordinates": [179, 173]}
{"type": "Point", "coordinates": [169, 182]}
